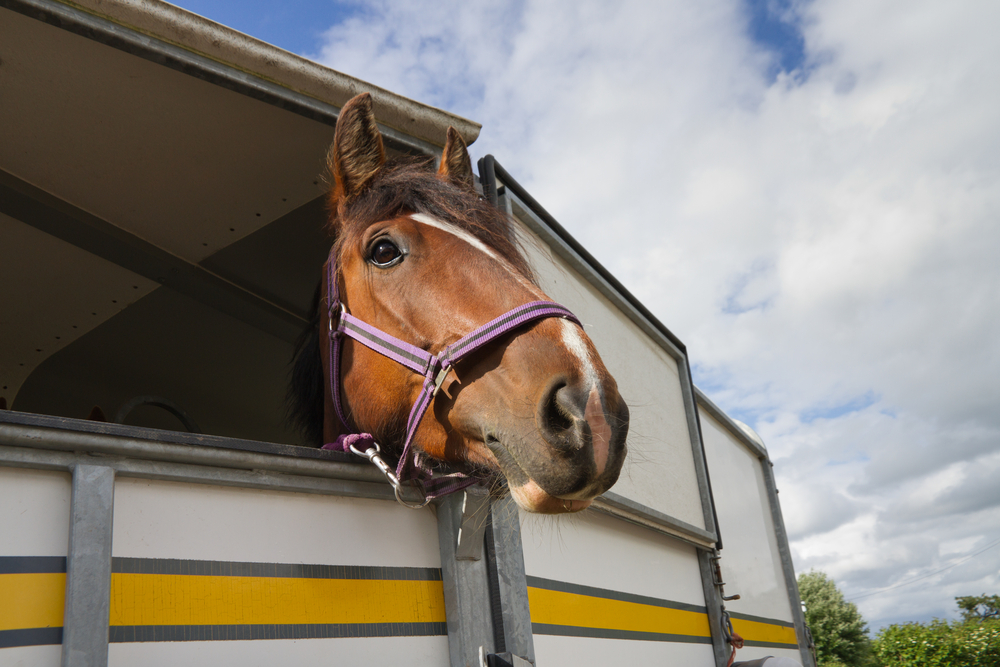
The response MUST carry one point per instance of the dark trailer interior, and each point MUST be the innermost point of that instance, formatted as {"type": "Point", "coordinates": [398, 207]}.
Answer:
{"type": "Point", "coordinates": [161, 212]}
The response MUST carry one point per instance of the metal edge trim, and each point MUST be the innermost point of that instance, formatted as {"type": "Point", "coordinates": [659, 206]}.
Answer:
{"type": "Point", "coordinates": [21, 457]}
{"type": "Point", "coordinates": [116, 33]}
{"type": "Point", "coordinates": [621, 507]}
{"type": "Point", "coordinates": [716, 412]}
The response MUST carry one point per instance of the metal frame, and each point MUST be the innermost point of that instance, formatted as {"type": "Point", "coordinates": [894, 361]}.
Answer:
{"type": "Point", "coordinates": [780, 535]}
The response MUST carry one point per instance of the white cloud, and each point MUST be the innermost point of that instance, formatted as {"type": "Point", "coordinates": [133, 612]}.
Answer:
{"type": "Point", "coordinates": [825, 244]}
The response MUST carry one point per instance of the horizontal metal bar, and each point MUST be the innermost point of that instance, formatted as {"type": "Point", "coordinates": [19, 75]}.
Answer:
{"type": "Point", "coordinates": [22, 457]}
{"type": "Point", "coordinates": [620, 507]}
{"type": "Point", "coordinates": [40, 438]}
{"type": "Point", "coordinates": [45, 212]}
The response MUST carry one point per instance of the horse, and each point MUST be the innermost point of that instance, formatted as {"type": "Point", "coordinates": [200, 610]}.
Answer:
{"type": "Point", "coordinates": [421, 265]}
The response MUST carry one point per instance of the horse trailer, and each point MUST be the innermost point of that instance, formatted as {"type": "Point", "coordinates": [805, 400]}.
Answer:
{"type": "Point", "coordinates": [162, 214]}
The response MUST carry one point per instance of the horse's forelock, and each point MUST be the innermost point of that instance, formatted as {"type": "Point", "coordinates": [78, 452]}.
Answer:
{"type": "Point", "coordinates": [413, 188]}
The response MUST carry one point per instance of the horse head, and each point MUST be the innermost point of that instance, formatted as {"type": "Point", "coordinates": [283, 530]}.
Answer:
{"type": "Point", "coordinates": [419, 256]}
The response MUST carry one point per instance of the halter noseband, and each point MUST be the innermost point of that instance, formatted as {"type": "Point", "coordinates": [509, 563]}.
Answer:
{"type": "Point", "coordinates": [434, 369]}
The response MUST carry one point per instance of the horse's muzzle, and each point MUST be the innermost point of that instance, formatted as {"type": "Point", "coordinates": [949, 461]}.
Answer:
{"type": "Point", "coordinates": [582, 447]}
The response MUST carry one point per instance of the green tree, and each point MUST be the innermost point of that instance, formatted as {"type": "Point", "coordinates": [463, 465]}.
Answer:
{"type": "Point", "coordinates": [940, 644]}
{"type": "Point", "coordinates": [839, 631]}
{"type": "Point", "coordinates": [979, 607]}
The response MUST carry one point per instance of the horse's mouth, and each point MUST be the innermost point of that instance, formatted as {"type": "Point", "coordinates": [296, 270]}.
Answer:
{"type": "Point", "coordinates": [526, 492]}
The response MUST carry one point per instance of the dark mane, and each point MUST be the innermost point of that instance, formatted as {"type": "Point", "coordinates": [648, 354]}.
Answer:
{"type": "Point", "coordinates": [401, 188]}
{"type": "Point", "coordinates": [411, 187]}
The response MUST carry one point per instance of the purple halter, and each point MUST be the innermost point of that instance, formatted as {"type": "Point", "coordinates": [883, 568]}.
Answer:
{"type": "Point", "coordinates": [434, 369]}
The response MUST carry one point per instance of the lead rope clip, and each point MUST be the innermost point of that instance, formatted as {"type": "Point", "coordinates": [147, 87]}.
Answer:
{"type": "Point", "coordinates": [373, 454]}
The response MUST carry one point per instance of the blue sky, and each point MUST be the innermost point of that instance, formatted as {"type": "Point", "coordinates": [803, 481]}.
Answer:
{"type": "Point", "coordinates": [806, 193]}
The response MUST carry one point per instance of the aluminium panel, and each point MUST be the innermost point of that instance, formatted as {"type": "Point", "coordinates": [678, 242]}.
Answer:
{"type": "Point", "coordinates": [205, 574]}
{"type": "Point", "coordinates": [599, 586]}
{"type": "Point", "coordinates": [34, 535]}
{"type": "Point", "coordinates": [751, 564]}
{"type": "Point", "coordinates": [660, 471]}
{"type": "Point", "coordinates": [751, 560]}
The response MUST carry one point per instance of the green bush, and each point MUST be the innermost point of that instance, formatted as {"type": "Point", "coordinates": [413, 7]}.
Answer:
{"type": "Point", "coordinates": [939, 644]}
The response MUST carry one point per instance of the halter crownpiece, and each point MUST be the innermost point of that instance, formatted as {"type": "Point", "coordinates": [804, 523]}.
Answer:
{"type": "Point", "coordinates": [434, 368]}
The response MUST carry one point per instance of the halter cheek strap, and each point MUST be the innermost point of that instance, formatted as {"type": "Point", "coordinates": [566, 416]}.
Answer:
{"type": "Point", "coordinates": [434, 369]}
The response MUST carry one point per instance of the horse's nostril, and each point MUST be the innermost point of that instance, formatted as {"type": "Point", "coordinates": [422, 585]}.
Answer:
{"type": "Point", "coordinates": [561, 416]}
{"type": "Point", "coordinates": [557, 416]}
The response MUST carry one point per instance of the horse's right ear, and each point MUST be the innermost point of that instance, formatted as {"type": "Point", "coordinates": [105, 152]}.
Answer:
{"type": "Point", "coordinates": [357, 152]}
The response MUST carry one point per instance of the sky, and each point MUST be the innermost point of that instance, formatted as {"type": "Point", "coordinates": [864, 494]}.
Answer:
{"type": "Point", "coordinates": [806, 192]}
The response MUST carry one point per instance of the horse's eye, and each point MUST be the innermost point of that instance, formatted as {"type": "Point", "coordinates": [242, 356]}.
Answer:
{"type": "Point", "coordinates": [385, 253]}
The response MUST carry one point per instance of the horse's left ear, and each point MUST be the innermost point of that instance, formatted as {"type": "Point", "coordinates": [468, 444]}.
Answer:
{"type": "Point", "coordinates": [456, 165]}
{"type": "Point", "coordinates": [357, 152]}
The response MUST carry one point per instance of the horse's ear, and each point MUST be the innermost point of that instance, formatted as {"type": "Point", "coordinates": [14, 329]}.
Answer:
{"type": "Point", "coordinates": [357, 152]}
{"type": "Point", "coordinates": [96, 414]}
{"type": "Point", "coordinates": [456, 165]}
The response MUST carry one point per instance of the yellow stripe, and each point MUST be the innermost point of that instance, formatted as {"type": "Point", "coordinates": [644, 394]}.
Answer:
{"type": "Point", "coordinates": [755, 631]}
{"type": "Point", "coordinates": [167, 599]}
{"type": "Point", "coordinates": [35, 600]}
{"type": "Point", "coordinates": [585, 611]}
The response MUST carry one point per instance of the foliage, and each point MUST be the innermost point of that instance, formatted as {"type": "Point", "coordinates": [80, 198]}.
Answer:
{"type": "Point", "coordinates": [838, 630]}
{"type": "Point", "coordinates": [979, 607]}
{"type": "Point", "coordinates": [939, 644]}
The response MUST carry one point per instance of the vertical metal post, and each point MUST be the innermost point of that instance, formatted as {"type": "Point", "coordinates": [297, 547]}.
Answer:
{"type": "Point", "coordinates": [88, 568]}
{"type": "Point", "coordinates": [511, 579]}
{"type": "Point", "coordinates": [787, 568]}
{"type": "Point", "coordinates": [713, 602]}
{"type": "Point", "coordinates": [466, 589]}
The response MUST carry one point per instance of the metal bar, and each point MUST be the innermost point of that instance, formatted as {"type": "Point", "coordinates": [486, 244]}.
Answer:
{"type": "Point", "coordinates": [472, 528]}
{"type": "Point", "coordinates": [488, 179]}
{"type": "Point", "coordinates": [40, 459]}
{"type": "Point", "coordinates": [175, 57]}
{"type": "Point", "coordinates": [621, 507]}
{"type": "Point", "coordinates": [713, 602]}
{"type": "Point", "coordinates": [33, 437]}
{"type": "Point", "coordinates": [43, 211]}
{"type": "Point", "coordinates": [88, 568]}
{"type": "Point", "coordinates": [512, 580]}
{"type": "Point", "coordinates": [466, 591]}
{"type": "Point", "coordinates": [698, 450]}
{"type": "Point", "coordinates": [787, 567]}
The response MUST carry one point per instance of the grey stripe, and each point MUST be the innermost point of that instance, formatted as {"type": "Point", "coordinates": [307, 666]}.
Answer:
{"type": "Point", "coordinates": [761, 619]}
{"type": "Point", "coordinates": [32, 564]}
{"type": "Point", "coordinates": [214, 568]}
{"type": "Point", "coordinates": [605, 633]}
{"type": "Point", "coordinates": [203, 633]}
{"type": "Point", "coordinates": [30, 637]}
{"type": "Point", "coordinates": [578, 589]}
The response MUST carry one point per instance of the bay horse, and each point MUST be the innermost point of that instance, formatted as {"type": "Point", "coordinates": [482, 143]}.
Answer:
{"type": "Point", "coordinates": [420, 266]}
